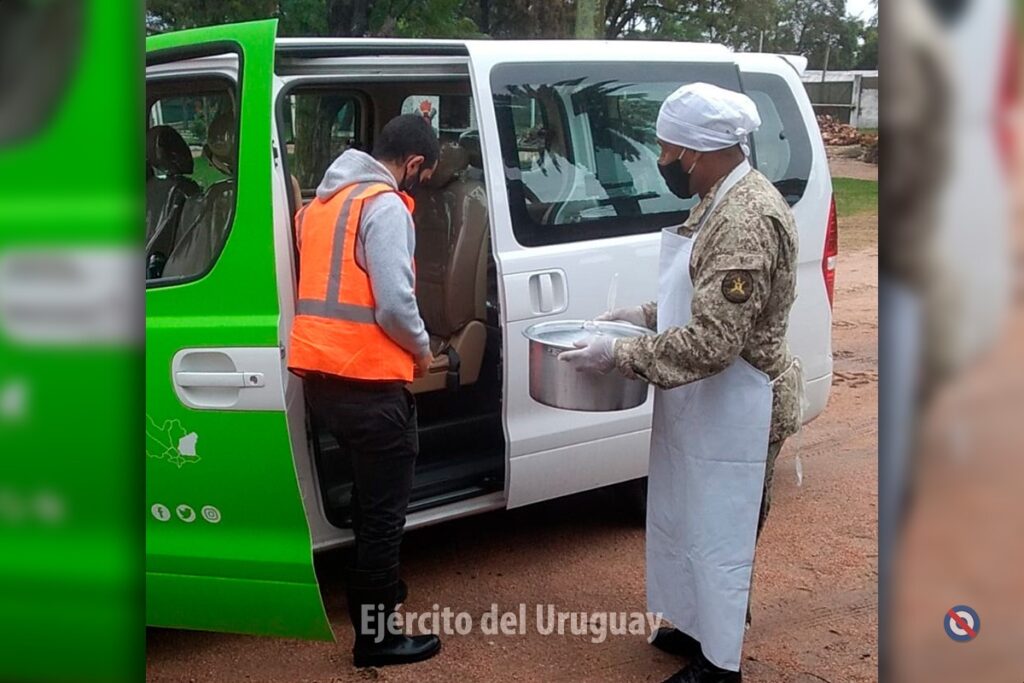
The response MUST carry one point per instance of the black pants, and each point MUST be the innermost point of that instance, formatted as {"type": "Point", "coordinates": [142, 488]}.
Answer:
{"type": "Point", "coordinates": [375, 424]}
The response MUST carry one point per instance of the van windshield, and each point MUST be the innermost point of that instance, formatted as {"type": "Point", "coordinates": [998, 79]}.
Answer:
{"type": "Point", "coordinates": [580, 150]}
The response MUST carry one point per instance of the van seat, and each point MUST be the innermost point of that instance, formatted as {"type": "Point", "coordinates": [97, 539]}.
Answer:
{"type": "Point", "coordinates": [168, 187]}
{"type": "Point", "coordinates": [451, 267]}
{"type": "Point", "coordinates": [205, 219]}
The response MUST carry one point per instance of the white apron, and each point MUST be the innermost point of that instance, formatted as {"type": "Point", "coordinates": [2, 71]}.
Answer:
{"type": "Point", "coordinates": [709, 442]}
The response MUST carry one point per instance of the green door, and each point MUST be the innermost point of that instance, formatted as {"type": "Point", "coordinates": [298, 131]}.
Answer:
{"type": "Point", "coordinates": [227, 542]}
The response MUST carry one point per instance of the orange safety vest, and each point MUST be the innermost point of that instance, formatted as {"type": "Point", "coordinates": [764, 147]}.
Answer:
{"type": "Point", "coordinates": [335, 331]}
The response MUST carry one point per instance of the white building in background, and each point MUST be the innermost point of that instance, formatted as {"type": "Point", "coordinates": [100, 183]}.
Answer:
{"type": "Point", "coordinates": [848, 96]}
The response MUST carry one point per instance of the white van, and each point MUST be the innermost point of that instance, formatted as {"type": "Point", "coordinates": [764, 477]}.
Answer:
{"type": "Point", "coordinates": [547, 190]}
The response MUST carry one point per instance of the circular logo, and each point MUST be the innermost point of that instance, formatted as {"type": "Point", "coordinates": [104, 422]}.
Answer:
{"type": "Point", "coordinates": [211, 514]}
{"type": "Point", "coordinates": [737, 286]}
{"type": "Point", "coordinates": [185, 513]}
{"type": "Point", "coordinates": [161, 512]}
{"type": "Point", "coordinates": [962, 623]}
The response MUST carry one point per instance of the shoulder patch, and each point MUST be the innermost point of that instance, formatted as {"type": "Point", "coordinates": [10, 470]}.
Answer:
{"type": "Point", "coordinates": [737, 286]}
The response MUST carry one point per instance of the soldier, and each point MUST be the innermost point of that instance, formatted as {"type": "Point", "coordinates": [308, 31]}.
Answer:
{"type": "Point", "coordinates": [727, 387]}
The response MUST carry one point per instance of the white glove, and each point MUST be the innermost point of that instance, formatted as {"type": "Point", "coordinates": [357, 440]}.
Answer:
{"type": "Point", "coordinates": [634, 315]}
{"type": "Point", "coordinates": [594, 354]}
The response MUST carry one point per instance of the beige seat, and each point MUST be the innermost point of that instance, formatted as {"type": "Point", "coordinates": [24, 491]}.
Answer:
{"type": "Point", "coordinates": [451, 270]}
{"type": "Point", "coordinates": [296, 193]}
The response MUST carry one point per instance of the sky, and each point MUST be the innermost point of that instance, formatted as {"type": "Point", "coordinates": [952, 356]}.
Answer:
{"type": "Point", "coordinates": [862, 9]}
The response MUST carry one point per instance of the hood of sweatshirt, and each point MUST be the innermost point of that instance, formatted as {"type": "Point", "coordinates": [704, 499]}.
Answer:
{"type": "Point", "coordinates": [351, 167]}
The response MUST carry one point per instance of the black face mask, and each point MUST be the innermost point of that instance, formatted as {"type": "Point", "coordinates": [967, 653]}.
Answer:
{"type": "Point", "coordinates": [677, 180]}
{"type": "Point", "coordinates": [410, 183]}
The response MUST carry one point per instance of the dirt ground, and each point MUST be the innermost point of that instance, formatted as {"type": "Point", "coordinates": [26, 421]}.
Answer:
{"type": "Point", "coordinates": [815, 591]}
{"type": "Point", "coordinates": [852, 168]}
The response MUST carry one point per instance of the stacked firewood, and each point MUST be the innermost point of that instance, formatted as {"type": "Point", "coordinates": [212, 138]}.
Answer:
{"type": "Point", "coordinates": [836, 134]}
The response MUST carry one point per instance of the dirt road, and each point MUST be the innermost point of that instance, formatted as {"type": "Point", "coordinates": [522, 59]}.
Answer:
{"type": "Point", "coordinates": [814, 604]}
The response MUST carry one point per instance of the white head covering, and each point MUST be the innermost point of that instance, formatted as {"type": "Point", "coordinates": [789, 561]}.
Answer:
{"type": "Point", "coordinates": [705, 118]}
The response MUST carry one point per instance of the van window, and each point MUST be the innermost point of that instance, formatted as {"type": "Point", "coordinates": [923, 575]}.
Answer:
{"type": "Point", "coordinates": [191, 167]}
{"type": "Point", "coordinates": [580, 149]}
{"type": "Point", "coordinates": [782, 145]}
{"type": "Point", "coordinates": [450, 115]}
{"type": "Point", "coordinates": [318, 127]}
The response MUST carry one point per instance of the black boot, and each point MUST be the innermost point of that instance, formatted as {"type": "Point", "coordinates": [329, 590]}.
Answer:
{"type": "Point", "coordinates": [403, 588]}
{"type": "Point", "coordinates": [675, 642]}
{"type": "Point", "coordinates": [372, 597]}
{"type": "Point", "coordinates": [700, 670]}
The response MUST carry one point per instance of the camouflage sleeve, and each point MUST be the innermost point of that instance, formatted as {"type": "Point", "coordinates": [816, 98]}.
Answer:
{"type": "Point", "coordinates": [650, 310]}
{"type": "Point", "coordinates": [730, 289]}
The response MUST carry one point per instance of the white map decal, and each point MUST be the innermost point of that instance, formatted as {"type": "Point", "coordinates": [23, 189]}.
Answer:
{"type": "Point", "coordinates": [171, 442]}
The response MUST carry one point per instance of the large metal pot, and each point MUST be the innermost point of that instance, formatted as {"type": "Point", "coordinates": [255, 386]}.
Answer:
{"type": "Point", "coordinates": [555, 383]}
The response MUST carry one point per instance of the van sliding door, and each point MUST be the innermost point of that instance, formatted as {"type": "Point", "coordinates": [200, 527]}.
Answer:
{"type": "Point", "coordinates": [570, 148]}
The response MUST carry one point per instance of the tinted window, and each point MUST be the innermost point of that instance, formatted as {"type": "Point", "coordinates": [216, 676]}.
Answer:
{"type": "Point", "coordinates": [190, 116]}
{"type": "Point", "coordinates": [191, 168]}
{"type": "Point", "coordinates": [782, 145]}
{"type": "Point", "coordinates": [579, 146]}
{"type": "Point", "coordinates": [318, 127]}
{"type": "Point", "coordinates": [449, 115]}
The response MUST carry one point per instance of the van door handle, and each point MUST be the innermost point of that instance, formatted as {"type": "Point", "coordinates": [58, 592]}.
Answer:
{"type": "Point", "coordinates": [230, 378]}
{"type": "Point", "coordinates": [240, 380]}
{"type": "Point", "coordinates": [546, 295]}
{"type": "Point", "coordinates": [547, 292]}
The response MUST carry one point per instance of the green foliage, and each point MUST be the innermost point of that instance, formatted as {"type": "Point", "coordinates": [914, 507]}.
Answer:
{"type": "Point", "coordinates": [204, 173]}
{"type": "Point", "coordinates": [807, 27]}
{"type": "Point", "coordinates": [422, 19]}
{"type": "Point", "coordinates": [302, 17]}
{"type": "Point", "coordinates": [867, 56]}
{"type": "Point", "coordinates": [180, 14]}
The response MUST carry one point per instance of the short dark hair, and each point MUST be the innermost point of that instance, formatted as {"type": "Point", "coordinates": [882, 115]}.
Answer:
{"type": "Point", "coordinates": [407, 135]}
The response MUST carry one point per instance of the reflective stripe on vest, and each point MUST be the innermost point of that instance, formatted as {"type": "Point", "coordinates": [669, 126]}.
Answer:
{"type": "Point", "coordinates": [335, 329]}
{"type": "Point", "coordinates": [327, 309]}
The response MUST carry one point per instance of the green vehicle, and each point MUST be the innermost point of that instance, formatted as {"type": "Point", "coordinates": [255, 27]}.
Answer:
{"type": "Point", "coordinates": [546, 193]}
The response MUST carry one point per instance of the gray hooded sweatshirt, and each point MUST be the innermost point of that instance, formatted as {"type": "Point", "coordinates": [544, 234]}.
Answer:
{"type": "Point", "coordinates": [385, 245]}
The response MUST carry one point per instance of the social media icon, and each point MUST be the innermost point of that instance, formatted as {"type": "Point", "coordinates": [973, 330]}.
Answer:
{"type": "Point", "coordinates": [211, 514]}
{"type": "Point", "coordinates": [185, 513]}
{"type": "Point", "coordinates": [160, 512]}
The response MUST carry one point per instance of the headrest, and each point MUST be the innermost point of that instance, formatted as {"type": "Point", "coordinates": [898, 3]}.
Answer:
{"type": "Point", "coordinates": [470, 140]}
{"type": "Point", "coordinates": [220, 142]}
{"type": "Point", "coordinates": [167, 152]}
{"type": "Point", "coordinates": [453, 159]}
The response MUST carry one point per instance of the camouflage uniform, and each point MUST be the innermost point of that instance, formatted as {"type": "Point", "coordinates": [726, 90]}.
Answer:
{"type": "Point", "coordinates": [743, 269]}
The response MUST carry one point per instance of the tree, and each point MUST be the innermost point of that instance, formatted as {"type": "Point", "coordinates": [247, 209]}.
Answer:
{"type": "Point", "coordinates": [808, 27]}
{"type": "Point", "coordinates": [165, 15]}
{"type": "Point", "coordinates": [422, 19]}
{"type": "Point", "coordinates": [867, 55]}
{"type": "Point", "coordinates": [343, 18]}
{"type": "Point", "coordinates": [814, 28]}
{"type": "Point", "coordinates": [302, 17]}
{"type": "Point", "coordinates": [588, 13]}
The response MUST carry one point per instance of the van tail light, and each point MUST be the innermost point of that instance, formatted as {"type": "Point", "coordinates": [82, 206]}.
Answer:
{"type": "Point", "coordinates": [1006, 98]}
{"type": "Point", "coordinates": [828, 259]}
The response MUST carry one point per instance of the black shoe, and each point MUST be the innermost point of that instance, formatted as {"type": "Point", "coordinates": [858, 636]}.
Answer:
{"type": "Point", "coordinates": [675, 642]}
{"type": "Point", "coordinates": [395, 649]}
{"type": "Point", "coordinates": [372, 596]}
{"type": "Point", "coordinates": [700, 670]}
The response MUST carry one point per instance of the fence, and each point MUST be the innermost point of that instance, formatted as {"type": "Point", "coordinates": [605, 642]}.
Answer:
{"type": "Point", "coordinates": [848, 96]}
